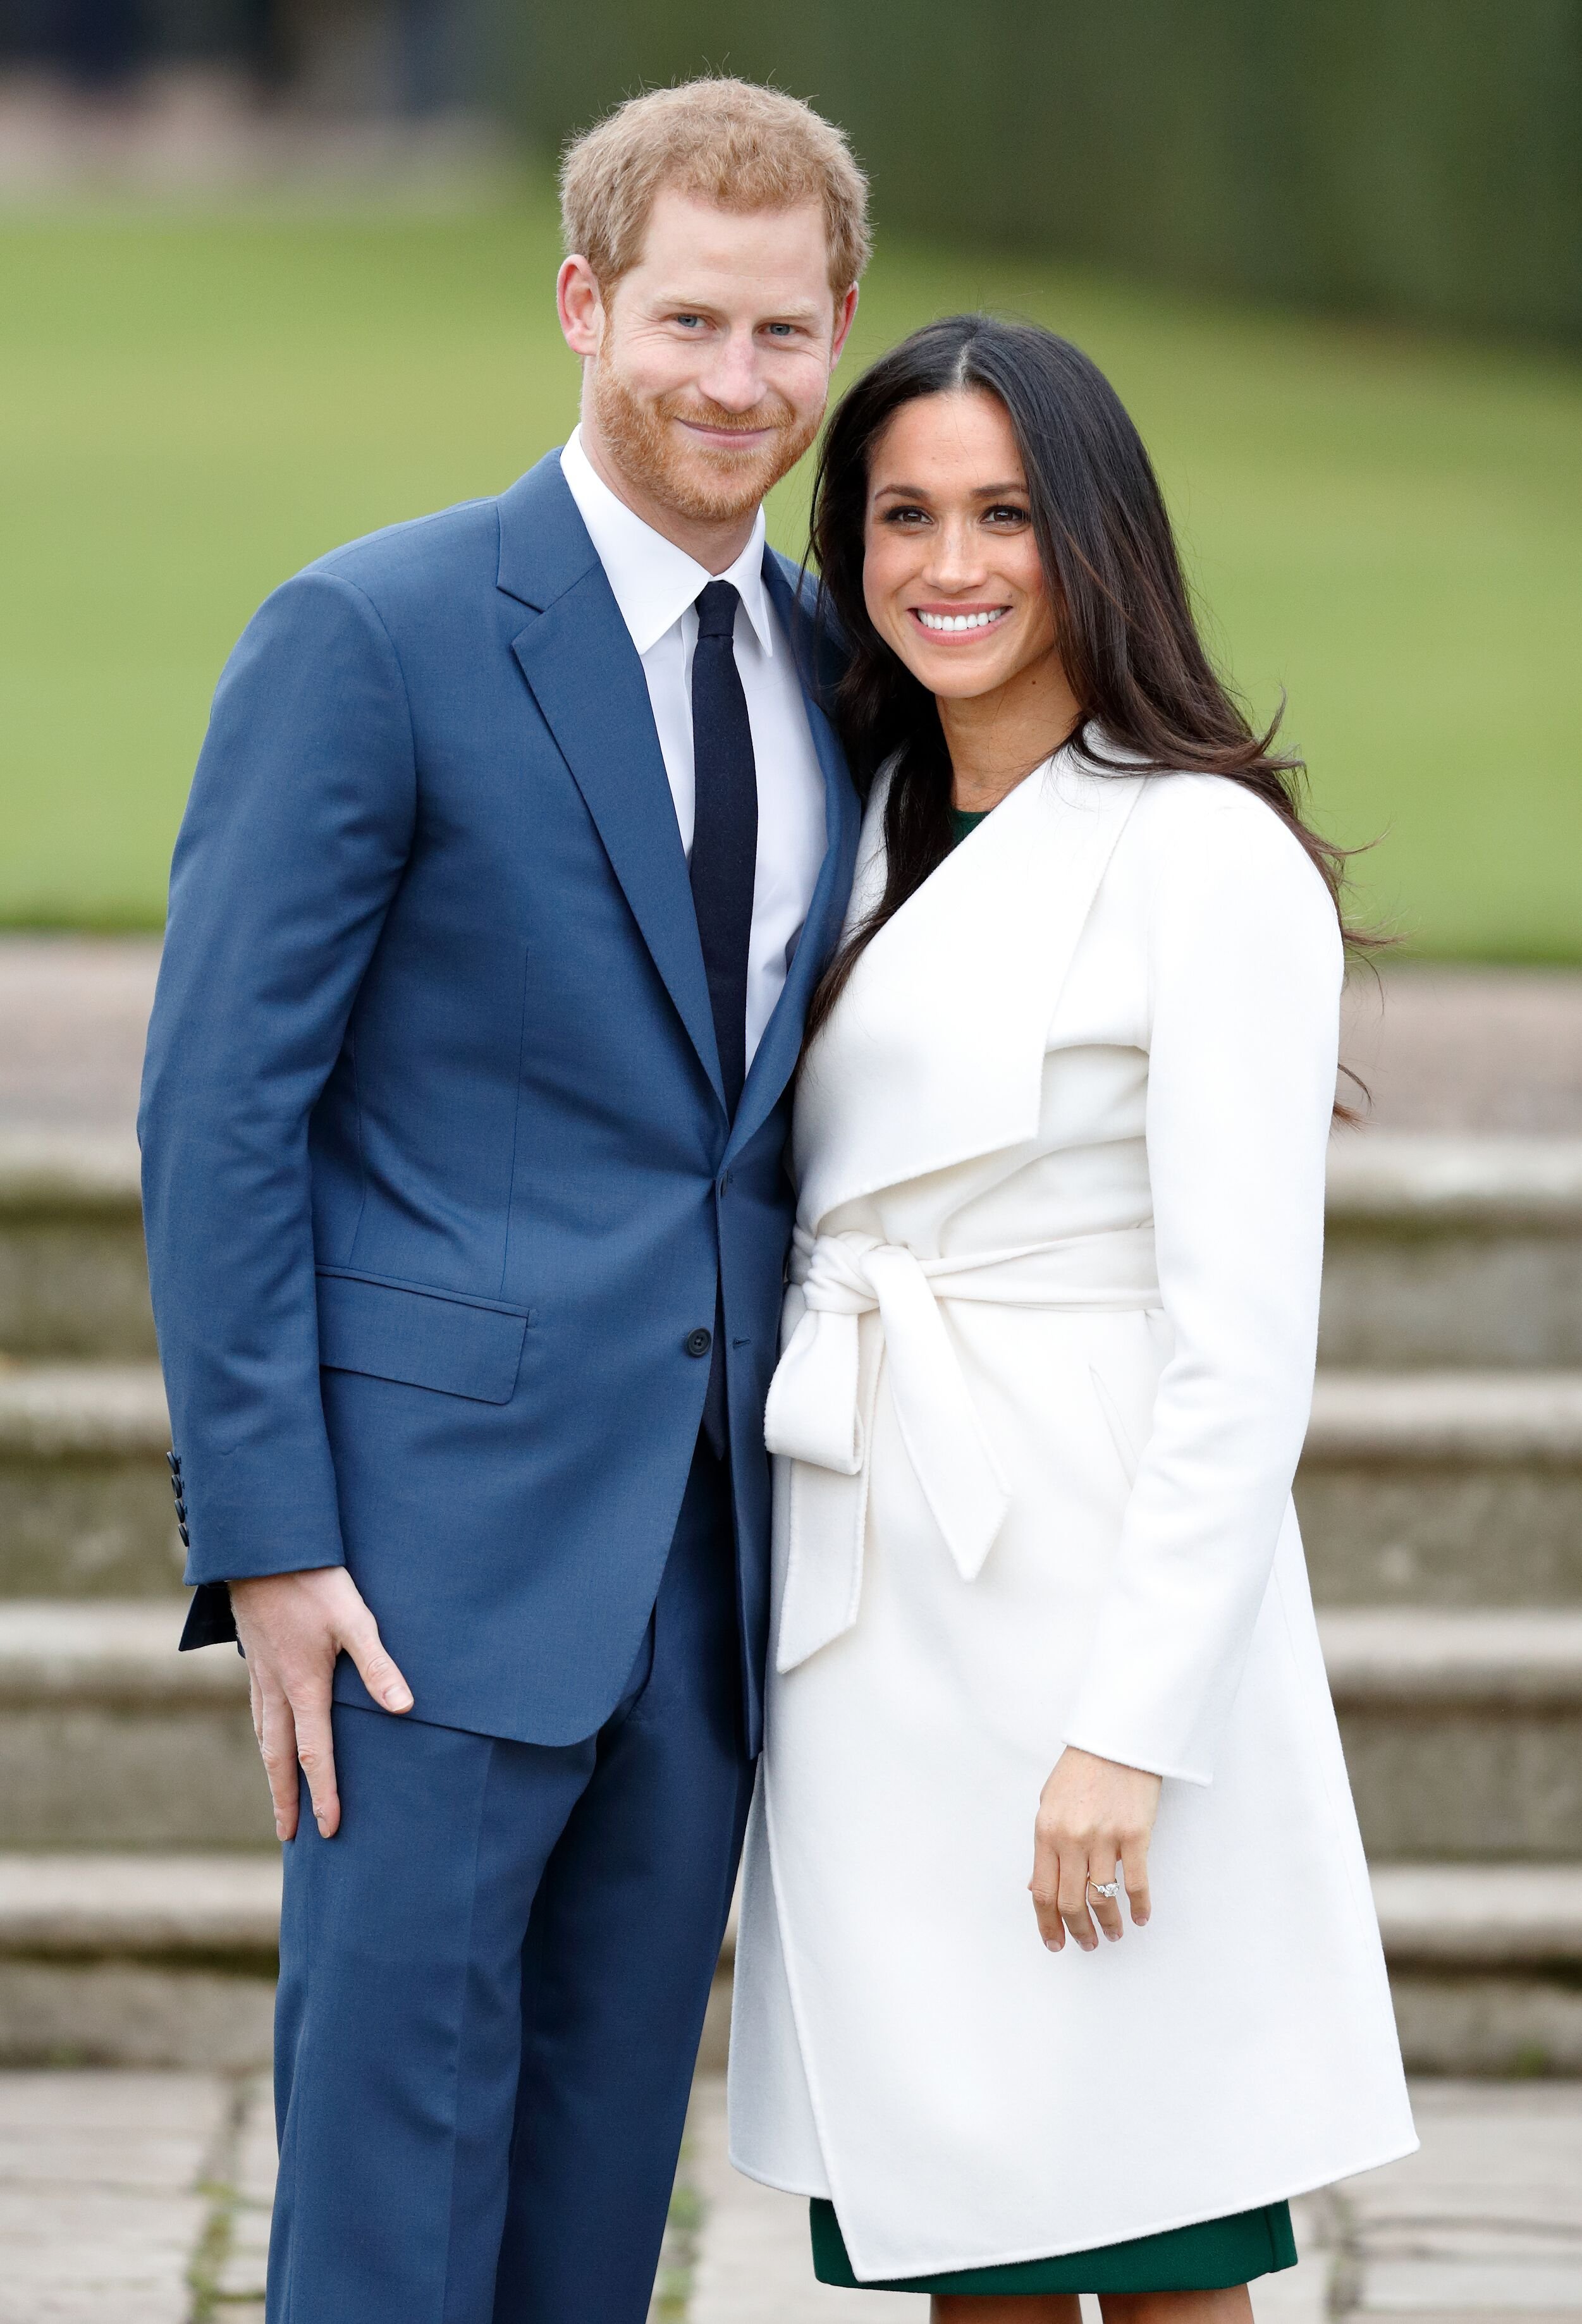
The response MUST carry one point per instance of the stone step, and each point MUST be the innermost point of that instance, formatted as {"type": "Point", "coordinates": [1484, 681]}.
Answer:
{"type": "Point", "coordinates": [1462, 1727]}
{"type": "Point", "coordinates": [1463, 1731]}
{"type": "Point", "coordinates": [1448, 1488]}
{"type": "Point", "coordinates": [1453, 1487]}
{"type": "Point", "coordinates": [85, 1494]}
{"type": "Point", "coordinates": [73, 1278]}
{"type": "Point", "coordinates": [1441, 1250]}
{"type": "Point", "coordinates": [110, 1738]}
{"type": "Point", "coordinates": [1453, 1251]}
{"type": "Point", "coordinates": [138, 1961]}
{"type": "Point", "coordinates": [1485, 1965]}
{"type": "Point", "coordinates": [169, 1960]}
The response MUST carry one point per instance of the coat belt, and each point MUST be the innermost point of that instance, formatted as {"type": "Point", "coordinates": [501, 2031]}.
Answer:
{"type": "Point", "coordinates": [815, 1416]}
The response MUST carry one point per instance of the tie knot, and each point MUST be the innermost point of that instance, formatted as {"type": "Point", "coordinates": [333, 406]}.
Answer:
{"type": "Point", "coordinates": [716, 610]}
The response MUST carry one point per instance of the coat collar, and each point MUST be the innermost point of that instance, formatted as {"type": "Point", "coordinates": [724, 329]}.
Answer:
{"type": "Point", "coordinates": [935, 1054]}
{"type": "Point", "coordinates": [578, 658]}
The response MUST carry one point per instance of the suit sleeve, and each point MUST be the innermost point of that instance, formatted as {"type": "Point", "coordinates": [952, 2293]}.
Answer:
{"type": "Point", "coordinates": [1246, 967]}
{"type": "Point", "coordinates": [298, 825]}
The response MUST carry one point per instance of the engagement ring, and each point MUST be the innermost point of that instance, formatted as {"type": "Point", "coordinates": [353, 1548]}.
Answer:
{"type": "Point", "coordinates": [1110, 1888]}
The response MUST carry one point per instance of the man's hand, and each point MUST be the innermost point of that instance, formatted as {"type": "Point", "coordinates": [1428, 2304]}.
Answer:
{"type": "Point", "coordinates": [1093, 1814]}
{"type": "Point", "coordinates": [292, 1626]}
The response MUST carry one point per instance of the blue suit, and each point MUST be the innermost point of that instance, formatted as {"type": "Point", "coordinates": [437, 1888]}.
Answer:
{"type": "Point", "coordinates": [440, 1190]}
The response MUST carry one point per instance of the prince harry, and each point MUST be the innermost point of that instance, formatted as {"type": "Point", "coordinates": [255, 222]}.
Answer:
{"type": "Point", "coordinates": [517, 842]}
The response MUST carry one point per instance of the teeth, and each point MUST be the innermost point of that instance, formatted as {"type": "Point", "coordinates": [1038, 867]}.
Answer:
{"type": "Point", "coordinates": [959, 621]}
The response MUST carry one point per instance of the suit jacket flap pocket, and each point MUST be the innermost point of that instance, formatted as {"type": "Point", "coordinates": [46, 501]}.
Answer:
{"type": "Point", "coordinates": [419, 1337]}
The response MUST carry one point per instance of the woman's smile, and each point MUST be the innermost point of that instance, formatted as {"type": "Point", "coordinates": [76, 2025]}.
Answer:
{"type": "Point", "coordinates": [957, 620]}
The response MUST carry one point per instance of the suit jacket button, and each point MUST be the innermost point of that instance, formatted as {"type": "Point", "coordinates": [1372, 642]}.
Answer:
{"type": "Point", "coordinates": [186, 1537]}
{"type": "Point", "coordinates": [698, 1343]}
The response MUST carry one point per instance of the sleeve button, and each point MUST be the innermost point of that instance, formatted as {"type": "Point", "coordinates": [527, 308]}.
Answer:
{"type": "Point", "coordinates": [698, 1343]}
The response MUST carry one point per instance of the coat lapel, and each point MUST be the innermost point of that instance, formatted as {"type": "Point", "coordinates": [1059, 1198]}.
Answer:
{"type": "Point", "coordinates": [780, 1045]}
{"type": "Point", "coordinates": [936, 1052]}
{"type": "Point", "coordinates": [577, 656]}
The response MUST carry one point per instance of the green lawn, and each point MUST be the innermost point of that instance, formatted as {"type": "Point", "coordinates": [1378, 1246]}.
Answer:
{"type": "Point", "coordinates": [194, 407]}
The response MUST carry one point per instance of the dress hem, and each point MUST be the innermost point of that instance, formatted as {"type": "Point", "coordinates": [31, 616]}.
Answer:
{"type": "Point", "coordinates": [1043, 2250]}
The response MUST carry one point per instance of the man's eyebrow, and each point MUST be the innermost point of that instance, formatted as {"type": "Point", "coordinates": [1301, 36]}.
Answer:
{"type": "Point", "coordinates": [793, 311]}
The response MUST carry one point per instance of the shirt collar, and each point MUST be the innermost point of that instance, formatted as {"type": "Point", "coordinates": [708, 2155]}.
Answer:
{"type": "Point", "coordinates": [655, 582]}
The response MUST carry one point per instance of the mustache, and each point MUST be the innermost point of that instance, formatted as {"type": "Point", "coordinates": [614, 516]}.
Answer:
{"type": "Point", "coordinates": [773, 412]}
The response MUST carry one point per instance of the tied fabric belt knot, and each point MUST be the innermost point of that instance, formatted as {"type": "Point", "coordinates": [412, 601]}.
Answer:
{"type": "Point", "coordinates": [814, 1416]}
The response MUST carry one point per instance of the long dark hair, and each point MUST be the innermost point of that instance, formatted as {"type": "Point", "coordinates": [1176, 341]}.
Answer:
{"type": "Point", "coordinates": [1122, 612]}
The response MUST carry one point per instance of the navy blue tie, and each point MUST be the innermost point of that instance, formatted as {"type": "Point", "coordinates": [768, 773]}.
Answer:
{"type": "Point", "coordinates": [725, 827]}
{"type": "Point", "coordinates": [725, 857]}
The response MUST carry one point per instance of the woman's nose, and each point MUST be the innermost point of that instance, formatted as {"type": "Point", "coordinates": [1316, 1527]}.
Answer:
{"type": "Point", "coordinates": [955, 557]}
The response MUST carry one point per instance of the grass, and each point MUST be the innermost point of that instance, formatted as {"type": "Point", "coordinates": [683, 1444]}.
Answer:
{"type": "Point", "coordinates": [1385, 527]}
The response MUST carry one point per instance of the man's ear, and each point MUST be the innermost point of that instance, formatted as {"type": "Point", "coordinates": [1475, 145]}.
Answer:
{"type": "Point", "coordinates": [580, 304]}
{"type": "Point", "coordinates": [844, 316]}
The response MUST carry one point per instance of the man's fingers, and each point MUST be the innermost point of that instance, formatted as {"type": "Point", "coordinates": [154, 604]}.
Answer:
{"type": "Point", "coordinates": [316, 1758]}
{"type": "Point", "coordinates": [277, 1740]}
{"type": "Point", "coordinates": [378, 1674]}
{"type": "Point", "coordinates": [1135, 1868]}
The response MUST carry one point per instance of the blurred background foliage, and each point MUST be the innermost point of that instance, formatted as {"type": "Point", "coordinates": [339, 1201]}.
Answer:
{"type": "Point", "coordinates": [1328, 252]}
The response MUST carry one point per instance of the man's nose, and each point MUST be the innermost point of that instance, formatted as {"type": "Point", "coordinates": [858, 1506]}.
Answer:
{"type": "Point", "coordinates": [734, 377]}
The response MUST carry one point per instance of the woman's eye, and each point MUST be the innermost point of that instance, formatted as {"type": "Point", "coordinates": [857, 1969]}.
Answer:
{"type": "Point", "coordinates": [906, 516]}
{"type": "Point", "coordinates": [1005, 515]}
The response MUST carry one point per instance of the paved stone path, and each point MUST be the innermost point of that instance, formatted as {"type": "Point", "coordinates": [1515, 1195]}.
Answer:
{"type": "Point", "coordinates": [143, 2199]}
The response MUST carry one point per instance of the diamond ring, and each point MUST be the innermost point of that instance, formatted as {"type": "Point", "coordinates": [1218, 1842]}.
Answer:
{"type": "Point", "coordinates": [1110, 1888]}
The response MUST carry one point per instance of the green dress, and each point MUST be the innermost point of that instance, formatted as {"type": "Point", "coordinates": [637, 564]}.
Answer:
{"type": "Point", "coordinates": [1209, 2256]}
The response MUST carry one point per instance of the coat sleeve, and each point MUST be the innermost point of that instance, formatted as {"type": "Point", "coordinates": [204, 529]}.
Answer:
{"type": "Point", "coordinates": [1246, 967]}
{"type": "Point", "coordinates": [296, 833]}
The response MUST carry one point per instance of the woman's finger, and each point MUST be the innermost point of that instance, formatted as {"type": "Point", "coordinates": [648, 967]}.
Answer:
{"type": "Point", "coordinates": [1106, 1909]}
{"type": "Point", "coordinates": [1044, 1887]}
{"type": "Point", "coordinates": [1073, 1899]}
{"type": "Point", "coordinates": [1135, 1870]}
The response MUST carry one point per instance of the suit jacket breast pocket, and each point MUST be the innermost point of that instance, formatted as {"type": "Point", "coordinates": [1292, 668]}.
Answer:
{"type": "Point", "coordinates": [424, 1339]}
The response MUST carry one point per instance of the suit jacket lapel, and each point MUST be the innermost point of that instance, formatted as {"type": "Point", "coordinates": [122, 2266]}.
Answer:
{"type": "Point", "coordinates": [577, 656]}
{"type": "Point", "coordinates": [780, 1045]}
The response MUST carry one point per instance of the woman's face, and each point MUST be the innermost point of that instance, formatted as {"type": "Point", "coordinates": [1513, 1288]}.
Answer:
{"type": "Point", "coordinates": [951, 576]}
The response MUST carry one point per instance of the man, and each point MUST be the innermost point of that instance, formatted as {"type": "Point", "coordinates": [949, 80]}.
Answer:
{"type": "Point", "coordinates": [517, 842]}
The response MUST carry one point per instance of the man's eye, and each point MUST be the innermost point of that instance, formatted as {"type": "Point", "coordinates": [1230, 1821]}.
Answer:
{"type": "Point", "coordinates": [686, 321]}
{"type": "Point", "coordinates": [781, 330]}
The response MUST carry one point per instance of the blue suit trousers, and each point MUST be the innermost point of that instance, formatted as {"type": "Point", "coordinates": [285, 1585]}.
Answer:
{"type": "Point", "coordinates": [493, 1983]}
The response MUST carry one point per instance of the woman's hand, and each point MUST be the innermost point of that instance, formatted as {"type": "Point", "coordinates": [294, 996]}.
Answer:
{"type": "Point", "coordinates": [1092, 1815]}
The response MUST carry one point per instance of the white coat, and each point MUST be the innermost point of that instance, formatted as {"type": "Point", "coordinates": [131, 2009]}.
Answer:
{"type": "Point", "coordinates": [1045, 1377]}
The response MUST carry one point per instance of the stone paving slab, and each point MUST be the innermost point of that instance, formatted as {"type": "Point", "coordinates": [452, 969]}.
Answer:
{"type": "Point", "coordinates": [101, 2200]}
{"type": "Point", "coordinates": [132, 2197]}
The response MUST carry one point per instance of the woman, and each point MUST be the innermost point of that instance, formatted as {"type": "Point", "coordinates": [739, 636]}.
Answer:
{"type": "Point", "coordinates": [1047, 1356]}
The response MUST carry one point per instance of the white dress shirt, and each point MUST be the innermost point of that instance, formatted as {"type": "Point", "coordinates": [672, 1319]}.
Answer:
{"type": "Point", "coordinates": [656, 586]}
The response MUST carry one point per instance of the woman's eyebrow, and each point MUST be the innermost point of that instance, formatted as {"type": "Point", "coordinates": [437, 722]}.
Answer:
{"type": "Point", "coordinates": [979, 492]}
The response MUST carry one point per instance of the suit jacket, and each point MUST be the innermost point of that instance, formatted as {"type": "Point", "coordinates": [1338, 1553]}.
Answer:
{"type": "Point", "coordinates": [439, 1179]}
